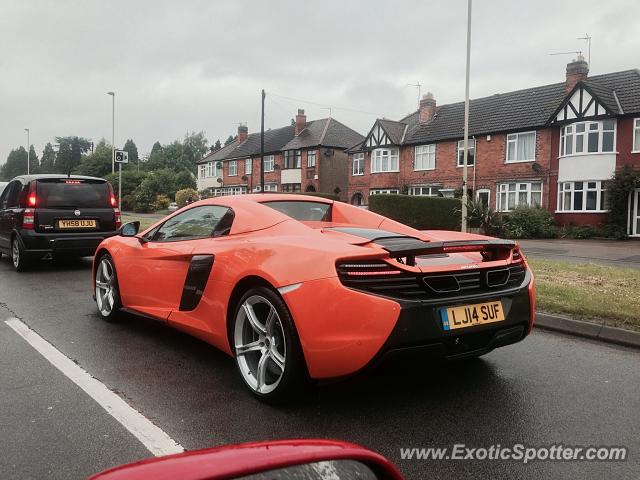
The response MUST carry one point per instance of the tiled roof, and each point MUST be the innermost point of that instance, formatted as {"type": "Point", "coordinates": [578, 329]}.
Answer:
{"type": "Point", "coordinates": [522, 109]}
{"type": "Point", "coordinates": [274, 140]}
{"type": "Point", "coordinates": [326, 132]}
{"type": "Point", "coordinates": [395, 130]}
{"type": "Point", "coordinates": [218, 154]}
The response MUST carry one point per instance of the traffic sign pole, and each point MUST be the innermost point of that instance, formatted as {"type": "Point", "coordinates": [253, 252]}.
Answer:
{"type": "Point", "coordinates": [120, 187]}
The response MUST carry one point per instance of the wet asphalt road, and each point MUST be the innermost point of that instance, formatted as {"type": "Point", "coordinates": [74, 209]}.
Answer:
{"type": "Point", "coordinates": [548, 389]}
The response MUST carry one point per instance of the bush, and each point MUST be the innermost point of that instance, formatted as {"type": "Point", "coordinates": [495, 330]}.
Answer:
{"type": "Point", "coordinates": [580, 231]}
{"type": "Point", "coordinates": [484, 217]}
{"type": "Point", "coordinates": [530, 222]}
{"type": "Point", "coordinates": [422, 213]}
{"type": "Point", "coordinates": [142, 199]}
{"type": "Point", "coordinates": [182, 196]}
{"type": "Point", "coordinates": [161, 203]}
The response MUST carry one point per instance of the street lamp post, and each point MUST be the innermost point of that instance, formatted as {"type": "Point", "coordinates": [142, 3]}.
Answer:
{"type": "Point", "coordinates": [113, 131]}
{"type": "Point", "coordinates": [466, 123]}
{"type": "Point", "coordinates": [28, 150]}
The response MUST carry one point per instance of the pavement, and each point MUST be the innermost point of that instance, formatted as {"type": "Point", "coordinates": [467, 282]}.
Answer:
{"type": "Point", "coordinates": [548, 389]}
{"type": "Point", "coordinates": [603, 252]}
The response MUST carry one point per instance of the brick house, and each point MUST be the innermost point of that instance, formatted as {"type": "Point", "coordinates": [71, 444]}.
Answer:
{"type": "Point", "coordinates": [306, 156]}
{"type": "Point", "coordinates": [552, 146]}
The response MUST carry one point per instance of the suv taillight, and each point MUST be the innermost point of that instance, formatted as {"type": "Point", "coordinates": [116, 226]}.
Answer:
{"type": "Point", "coordinates": [28, 218]}
{"type": "Point", "coordinates": [118, 218]}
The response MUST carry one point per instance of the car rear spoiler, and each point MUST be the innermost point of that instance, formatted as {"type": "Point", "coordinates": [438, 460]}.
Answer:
{"type": "Point", "coordinates": [400, 246]}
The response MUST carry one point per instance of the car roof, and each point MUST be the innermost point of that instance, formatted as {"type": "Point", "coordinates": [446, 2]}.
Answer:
{"type": "Point", "coordinates": [231, 200]}
{"type": "Point", "coordinates": [45, 176]}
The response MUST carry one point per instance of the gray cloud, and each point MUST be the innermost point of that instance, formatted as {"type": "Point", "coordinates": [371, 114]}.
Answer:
{"type": "Point", "coordinates": [200, 65]}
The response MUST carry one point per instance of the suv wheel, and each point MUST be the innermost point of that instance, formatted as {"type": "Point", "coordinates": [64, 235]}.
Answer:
{"type": "Point", "coordinates": [18, 257]}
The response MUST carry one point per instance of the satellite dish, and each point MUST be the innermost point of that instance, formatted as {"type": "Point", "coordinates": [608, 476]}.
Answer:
{"type": "Point", "coordinates": [535, 166]}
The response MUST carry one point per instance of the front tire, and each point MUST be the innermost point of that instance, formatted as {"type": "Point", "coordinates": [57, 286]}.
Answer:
{"type": "Point", "coordinates": [266, 347]}
{"type": "Point", "coordinates": [106, 290]}
{"type": "Point", "coordinates": [18, 258]}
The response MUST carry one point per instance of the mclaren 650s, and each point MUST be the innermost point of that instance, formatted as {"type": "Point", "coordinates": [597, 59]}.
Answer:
{"type": "Point", "coordinates": [297, 287]}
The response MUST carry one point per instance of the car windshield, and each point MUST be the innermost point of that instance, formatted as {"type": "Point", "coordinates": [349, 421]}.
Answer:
{"type": "Point", "coordinates": [302, 210]}
{"type": "Point", "coordinates": [72, 193]}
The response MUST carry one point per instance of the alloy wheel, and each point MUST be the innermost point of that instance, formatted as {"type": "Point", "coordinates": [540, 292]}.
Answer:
{"type": "Point", "coordinates": [15, 254]}
{"type": "Point", "coordinates": [261, 350]}
{"type": "Point", "coordinates": [105, 278]}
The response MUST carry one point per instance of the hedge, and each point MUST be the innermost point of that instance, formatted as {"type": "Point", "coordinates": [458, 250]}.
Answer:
{"type": "Point", "coordinates": [423, 213]}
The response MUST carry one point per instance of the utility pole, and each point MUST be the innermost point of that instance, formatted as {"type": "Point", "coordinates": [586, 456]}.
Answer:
{"type": "Point", "coordinates": [262, 145]}
{"type": "Point", "coordinates": [113, 131]}
{"type": "Point", "coordinates": [466, 122]}
{"type": "Point", "coordinates": [28, 150]}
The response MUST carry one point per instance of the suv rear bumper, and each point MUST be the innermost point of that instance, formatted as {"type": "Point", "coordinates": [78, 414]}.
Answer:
{"type": "Point", "coordinates": [74, 244]}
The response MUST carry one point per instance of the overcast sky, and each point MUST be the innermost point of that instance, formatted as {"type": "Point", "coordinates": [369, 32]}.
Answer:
{"type": "Point", "coordinates": [199, 65]}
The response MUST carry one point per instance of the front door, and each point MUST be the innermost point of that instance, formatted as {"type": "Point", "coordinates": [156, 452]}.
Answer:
{"type": "Point", "coordinates": [635, 213]}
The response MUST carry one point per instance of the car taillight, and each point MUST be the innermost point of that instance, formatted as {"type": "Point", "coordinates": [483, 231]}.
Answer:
{"type": "Point", "coordinates": [32, 199]}
{"type": "Point", "coordinates": [28, 218]}
{"type": "Point", "coordinates": [118, 217]}
{"type": "Point", "coordinates": [114, 202]}
{"type": "Point", "coordinates": [366, 269]}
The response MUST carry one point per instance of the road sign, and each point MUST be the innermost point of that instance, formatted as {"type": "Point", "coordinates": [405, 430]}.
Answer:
{"type": "Point", "coordinates": [122, 156]}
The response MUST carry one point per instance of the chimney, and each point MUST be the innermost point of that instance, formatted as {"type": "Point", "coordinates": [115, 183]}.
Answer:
{"type": "Point", "coordinates": [243, 133]}
{"type": "Point", "coordinates": [301, 121]}
{"type": "Point", "coordinates": [577, 71]}
{"type": "Point", "coordinates": [427, 107]}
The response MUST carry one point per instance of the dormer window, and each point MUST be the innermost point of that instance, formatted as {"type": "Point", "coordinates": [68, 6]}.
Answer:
{"type": "Point", "coordinates": [583, 138]}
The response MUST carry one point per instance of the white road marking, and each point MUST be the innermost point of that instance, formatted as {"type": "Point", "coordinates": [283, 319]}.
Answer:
{"type": "Point", "coordinates": [151, 436]}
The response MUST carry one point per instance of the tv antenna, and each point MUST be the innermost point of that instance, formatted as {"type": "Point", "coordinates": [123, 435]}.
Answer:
{"type": "Point", "coordinates": [587, 38]}
{"type": "Point", "coordinates": [326, 108]}
{"type": "Point", "coordinates": [576, 52]}
{"type": "Point", "coordinates": [418, 86]}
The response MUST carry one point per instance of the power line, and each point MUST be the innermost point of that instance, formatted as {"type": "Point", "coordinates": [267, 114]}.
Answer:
{"type": "Point", "coordinates": [324, 105]}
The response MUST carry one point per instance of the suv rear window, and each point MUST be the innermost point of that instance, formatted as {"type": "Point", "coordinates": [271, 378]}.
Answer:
{"type": "Point", "coordinates": [73, 193]}
{"type": "Point", "coordinates": [303, 211]}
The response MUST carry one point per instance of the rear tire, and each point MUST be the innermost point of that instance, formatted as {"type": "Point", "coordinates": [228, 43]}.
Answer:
{"type": "Point", "coordinates": [106, 290]}
{"type": "Point", "coordinates": [18, 258]}
{"type": "Point", "coordinates": [266, 346]}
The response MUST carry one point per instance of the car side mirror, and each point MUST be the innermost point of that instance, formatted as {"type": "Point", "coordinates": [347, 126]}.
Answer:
{"type": "Point", "coordinates": [129, 229]}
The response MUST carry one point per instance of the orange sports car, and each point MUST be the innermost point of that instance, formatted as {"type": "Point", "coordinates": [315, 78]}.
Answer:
{"type": "Point", "coordinates": [298, 287]}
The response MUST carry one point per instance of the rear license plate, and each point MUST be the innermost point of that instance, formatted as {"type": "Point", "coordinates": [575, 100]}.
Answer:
{"type": "Point", "coordinates": [465, 316]}
{"type": "Point", "coordinates": [66, 224]}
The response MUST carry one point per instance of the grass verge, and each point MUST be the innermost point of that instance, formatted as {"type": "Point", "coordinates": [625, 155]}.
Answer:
{"type": "Point", "coordinates": [145, 222]}
{"type": "Point", "coordinates": [606, 295]}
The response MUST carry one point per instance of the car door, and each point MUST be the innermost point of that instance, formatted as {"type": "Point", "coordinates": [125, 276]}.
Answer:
{"type": "Point", "coordinates": [8, 204]}
{"type": "Point", "coordinates": [152, 272]}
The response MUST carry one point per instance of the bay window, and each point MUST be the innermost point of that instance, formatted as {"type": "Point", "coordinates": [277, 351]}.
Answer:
{"type": "Point", "coordinates": [202, 169]}
{"type": "Point", "coordinates": [424, 191]}
{"type": "Point", "coordinates": [586, 196]}
{"type": "Point", "coordinates": [292, 159]}
{"type": "Point", "coordinates": [384, 191]}
{"type": "Point", "coordinates": [233, 168]}
{"type": "Point", "coordinates": [514, 194]}
{"type": "Point", "coordinates": [358, 164]}
{"type": "Point", "coordinates": [384, 160]}
{"type": "Point", "coordinates": [521, 147]}
{"type": "Point", "coordinates": [636, 135]}
{"type": "Point", "coordinates": [425, 157]}
{"type": "Point", "coordinates": [311, 158]}
{"type": "Point", "coordinates": [588, 137]}
{"type": "Point", "coordinates": [471, 153]}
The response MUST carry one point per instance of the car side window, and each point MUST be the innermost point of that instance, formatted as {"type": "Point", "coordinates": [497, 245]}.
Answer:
{"type": "Point", "coordinates": [198, 222]}
{"type": "Point", "coordinates": [10, 195]}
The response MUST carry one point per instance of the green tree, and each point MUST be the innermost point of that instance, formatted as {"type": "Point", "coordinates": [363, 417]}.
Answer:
{"type": "Point", "coordinates": [47, 162]}
{"type": "Point", "coordinates": [34, 163]}
{"type": "Point", "coordinates": [229, 140]}
{"type": "Point", "coordinates": [15, 165]}
{"type": "Point", "coordinates": [132, 149]}
{"type": "Point", "coordinates": [195, 147]}
{"type": "Point", "coordinates": [217, 145]}
{"type": "Point", "coordinates": [70, 153]}
{"type": "Point", "coordinates": [98, 163]}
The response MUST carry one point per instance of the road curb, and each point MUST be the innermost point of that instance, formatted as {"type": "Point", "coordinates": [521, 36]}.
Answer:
{"type": "Point", "coordinates": [593, 331]}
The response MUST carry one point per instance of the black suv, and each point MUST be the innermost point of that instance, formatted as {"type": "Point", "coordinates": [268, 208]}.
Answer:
{"type": "Point", "coordinates": [43, 216]}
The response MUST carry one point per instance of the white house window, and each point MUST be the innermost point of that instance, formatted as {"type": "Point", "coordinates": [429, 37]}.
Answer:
{"type": "Point", "coordinates": [425, 156]}
{"type": "Point", "coordinates": [212, 169]}
{"type": "Point", "coordinates": [268, 163]}
{"type": "Point", "coordinates": [511, 195]}
{"type": "Point", "coordinates": [358, 164]}
{"type": "Point", "coordinates": [384, 191]}
{"type": "Point", "coordinates": [311, 158]}
{"type": "Point", "coordinates": [248, 166]}
{"type": "Point", "coordinates": [586, 196]}
{"type": "Point", "coordinates": [471, 154]}
{"type": "Point", "coordinates": [203, 170]}
{"type": "Point", "coordinates": [636, 135]}
{"type": "Point", "coordinates": [270, 187]}
{"type": "Point", "coordinates": [424, 191]}
{"type": "Point", "coordinates": [384, 160]}
{"type": "Point", "coordinates": [521, 147]}
{"type": "Point", "coordinates": [233, 168]}
{"type": "Point", "coordinates": [588, 137]}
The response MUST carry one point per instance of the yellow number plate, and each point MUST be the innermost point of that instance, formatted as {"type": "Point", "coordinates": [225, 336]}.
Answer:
{"type": "Point", "coordinates": [471, 315]}
{"type": "Point", "coordinates": [62, 224]}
